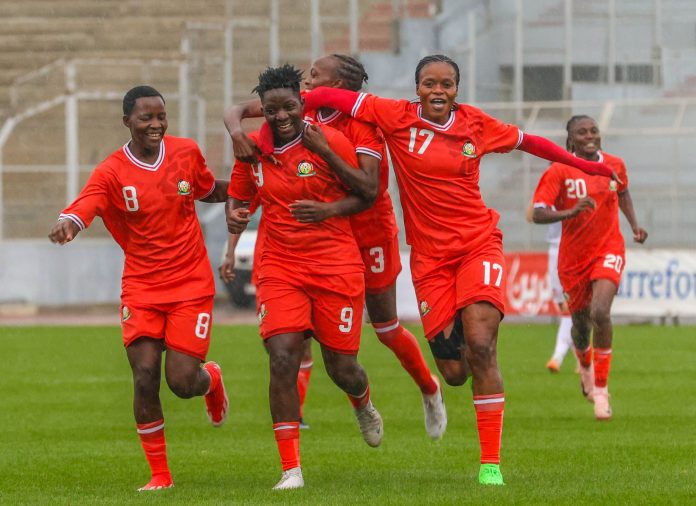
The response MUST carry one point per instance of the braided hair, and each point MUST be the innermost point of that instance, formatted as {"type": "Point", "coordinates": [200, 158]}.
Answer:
{"type": "Point", "coordinates": [436, 58]}
{"type": "Point", "coordinates": [351, 71]}
{"type": "Point", "coordinates": [273, 78]}
{"type": "Point", "coordinates": [134, 94]}
{"type": "Point", "coordinates": [569, 125]}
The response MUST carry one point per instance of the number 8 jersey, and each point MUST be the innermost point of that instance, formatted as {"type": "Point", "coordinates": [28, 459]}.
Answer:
{"type": "Point", "coordinates": [149, 209]}
{"type": "Point", "coordinates": [592, 234]}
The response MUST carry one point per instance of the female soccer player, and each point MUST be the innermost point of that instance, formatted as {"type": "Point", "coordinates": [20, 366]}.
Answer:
{"type": "Point", "coordinates": [592, 252]}
{"type": "Point", "coordinates": [457, 261]}
{"type": "Point", "coordinates": [145, 193]}
{"type": "Point", "coordinates": [322, 293]}
{"type": "Point", "coordinates": [374, 229]}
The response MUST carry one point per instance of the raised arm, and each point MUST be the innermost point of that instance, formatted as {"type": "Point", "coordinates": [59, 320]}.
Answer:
{"type": "Point", "coordinates": [544, 148]}
{"type": "Point", "coordinates": [243, 147]}
{"type": "Point", "coordinates": [333, 98]}
{"type": "Point", "coordinates": [626, 206]}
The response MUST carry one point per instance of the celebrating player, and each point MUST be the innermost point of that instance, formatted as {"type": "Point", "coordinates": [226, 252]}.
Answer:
{"type": "Point", "coordinates": [375, 229]}
{"type": "Point", "coordinates": [310, 274]}
{"type": "Point", "coordinates": [457, 261]}
{"type": "Point", "coordinates": [592, 252]}
{"type": "Point", "coordinates": [145, 193]}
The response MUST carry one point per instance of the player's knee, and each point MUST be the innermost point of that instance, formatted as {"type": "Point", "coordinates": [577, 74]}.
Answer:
{"type": "Point", "coordinates": [282, 364]}
{"type": "Point", "coordinates": [146, 378]}
{"type": "Point", "coordinates": [182, 386]}
{"type": "Point", "coordinates": [480, 353]}
{"type": "Point", "coordinates": [600, 316]}
{"type": "Point", "coordinates": [454, 376]}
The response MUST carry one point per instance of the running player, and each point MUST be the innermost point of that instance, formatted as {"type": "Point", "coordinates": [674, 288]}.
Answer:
{"type": "Point", "coordinates": [145, 193]}
{"type": "Point", "coordinates": [323, 292]}
{"type": "Point", "coordinates": [375, 229]}
{"type": "Point", "coordinates": [592, 252]}
{"type": "Point", "coordinates": [457, 261]}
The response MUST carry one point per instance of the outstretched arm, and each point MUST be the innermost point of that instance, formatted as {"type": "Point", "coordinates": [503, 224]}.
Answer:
{"type": "Point", "coordinates": [544, 148]}
{"type": "Point", "coordinates": [626, 206]}
{"type": "Point", "coordinates": [333, 98]}
{"type": "Point", "coordinates": [64, 231]}
{"type": "Point", "coordinates": [244, 148]}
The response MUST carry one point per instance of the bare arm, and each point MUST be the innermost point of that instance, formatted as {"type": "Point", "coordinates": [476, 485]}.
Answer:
{"type": "Point", "coordinates": [244, 148]}
{"type": "Point", "coordinates": [237, 214]}
{"type": "Point", "coordinates": [64, 231]}
{"type": "Point", "coordinates": [310, 211]}
{"type": "Point", "coordinates": [543, 215]}
{"type": "Point", "coordinates": [226, 267]}
{"type": "Point", "coordinates": [364, 181]}
{"type": "Point", "coordinates": [626, 206]}
{"type": "Point", "coordinates": [219, 193]}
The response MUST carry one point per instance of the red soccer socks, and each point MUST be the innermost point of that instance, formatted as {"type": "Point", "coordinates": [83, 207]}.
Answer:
{"type": "Point", "coordinates": [405, 346]}
{"type": "Point", "coordinates": [287, 436]}
{"type": "Point", "coordinates": [155, 447]}
{"type": "Point", "coordinates": [489, 420]}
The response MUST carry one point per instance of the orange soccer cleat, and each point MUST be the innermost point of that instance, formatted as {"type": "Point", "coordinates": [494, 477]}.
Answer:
{"type": "Point", "coordinates": [216, 401]}
{"type": "Point", "coordinates": [553, 366]}
{"type": "Point", "coordinates": [158, 482]}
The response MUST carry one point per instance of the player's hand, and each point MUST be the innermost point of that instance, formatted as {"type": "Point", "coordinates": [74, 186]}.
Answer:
{"type": "Point", "coordinates": [237, 220]}
{"type": "Point", "coordinates": [315, 140]}
{"type": "Point", "coordinates": [245, 150]}
{"type": "Point", "coordinates": [226, 269]}
{"type": "Point", "coordinates": [310, 211]}
{"type": "Point", "coordinates": [616, 177]}
{"type": "Point", "coordinates": [584, 204]}
{"type": "Point", "coordinates": [64, 231]}
{"type": "Point", "coordinates": [639, 235]}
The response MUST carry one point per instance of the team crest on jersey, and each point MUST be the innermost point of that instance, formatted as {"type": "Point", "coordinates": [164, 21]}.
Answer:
{"type": "Point", "coordinates": [613, 186]}
{"type": "Point", "coordinates": [469, 150]}
{"type": "Point", "coordinates": [424, 307]}
{"type": "Point", "coordinates": [184, 187]}
{"type": "Point", "coordinates": [125, 313]}
{"type": "Point", "coordinates": [305, 169]}
{"type": "Point", "coordinates": [262, 313]}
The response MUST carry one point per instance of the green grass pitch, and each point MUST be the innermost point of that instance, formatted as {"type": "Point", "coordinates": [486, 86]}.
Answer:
{"type": "Point", "coordinates": [68, 437]}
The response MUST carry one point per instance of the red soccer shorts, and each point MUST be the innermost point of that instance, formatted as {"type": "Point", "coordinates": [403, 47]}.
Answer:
{"type": "Point", "coordinates": [330, 306]}
{"type": "Point", "coordinates": [578, 286]}
{"type": "Point", "coordinates": [382, 265]}
{"type": "Point", "coordinates": [184, 326]}
{"type": "Point", "coordinates": [445, 285]}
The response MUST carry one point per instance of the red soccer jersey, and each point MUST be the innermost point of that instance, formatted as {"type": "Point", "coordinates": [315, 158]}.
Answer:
{"type": "Point", "coordinates": [327, 247]}
{"type": "Point", "coordinates": [150, 212]}
{"type": "Point", "coordinates": [589, 234]}
{"type": "Point", "coordinates": [376, 225]}
{"type": "Point", "coordinates": [437, 168]}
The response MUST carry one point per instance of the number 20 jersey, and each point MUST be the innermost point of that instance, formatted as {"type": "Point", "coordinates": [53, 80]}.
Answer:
{"type": "Point", "coordinates": [592, 234]}
{"type": "Point", "coordinates": [149, 209]}
{"type": "Point", "coordinates": [437, 168]}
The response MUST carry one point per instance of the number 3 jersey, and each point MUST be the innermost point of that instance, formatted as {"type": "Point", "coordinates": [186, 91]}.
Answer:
{"type": "Point", "coordinates": [437, 168]}
{"type": "Point", "coordinates": [150, 212]}
{"type": "Point", "coordinates": [592, 234]}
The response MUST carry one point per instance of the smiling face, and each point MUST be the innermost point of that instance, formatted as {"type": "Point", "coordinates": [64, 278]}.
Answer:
{"type": "Point", "coordinates": [323, 73]}
{"type": "Point", "coordinates": [437, 89]}
{"type": "Point", "coordinates": [147, 123]}
{"type": "Point", "coordinates": [585, 138]}
{"type": "Point", "coordinates": [282, 108]}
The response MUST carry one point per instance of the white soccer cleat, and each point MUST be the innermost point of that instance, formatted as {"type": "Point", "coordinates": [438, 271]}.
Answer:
{"type": "Point", "coordinates": [435, 412]}
{"type": "Point", "coordinates": [587, 382]}
{"type": "Point", "coordinates": [292, 478]}
{"type": "Point", "coordinates": [602, 410]}
{"type": "Point", "coordinates": [371, 425]}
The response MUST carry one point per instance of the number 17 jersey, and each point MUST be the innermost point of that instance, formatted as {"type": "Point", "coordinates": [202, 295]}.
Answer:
{"type": "Point", "coordinates": [437, 168]}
